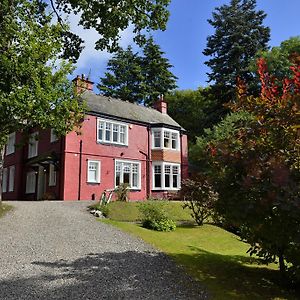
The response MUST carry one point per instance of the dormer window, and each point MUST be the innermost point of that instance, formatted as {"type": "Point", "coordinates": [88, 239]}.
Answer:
{"type": "Point", "coordinates": [111, 132]}
{"type": "Point", "coordinates": [163, 138]}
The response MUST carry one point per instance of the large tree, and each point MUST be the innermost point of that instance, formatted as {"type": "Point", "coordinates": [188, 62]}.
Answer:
{"type": "Point", "coordinates": [239, 35]}
{"type": "Point", "coordinates": [138, 78]}
{"type": "Point", "coordinates": [34, 89]}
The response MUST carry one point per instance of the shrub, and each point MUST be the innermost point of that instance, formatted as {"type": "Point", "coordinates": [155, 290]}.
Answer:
{"type": "Point", "coordinates": [200, 198]}
{"type": "Point", "coordinates": [122, 192]}
{"type": "Point", "coordinates": [155, 217]}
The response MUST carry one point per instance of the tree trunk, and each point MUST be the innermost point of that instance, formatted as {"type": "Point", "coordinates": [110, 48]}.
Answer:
{"type": "Point", "coordinates": [1, 170]}
{"type": "Point", "coordinates": [282, 266]}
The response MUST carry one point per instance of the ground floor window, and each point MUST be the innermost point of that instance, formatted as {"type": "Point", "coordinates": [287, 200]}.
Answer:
{"type": "Point", "coordinates": [11, 182]}
{"type": "Point", "coordinates": [4, 180]}
{"type": "Point", "coordinates": [30, 182]}
{"type": "Point", "coordinates": [52, 175]}
{"type": "Point", "coordinates": [166, 176]}
{"type": "Point", "coordinates": [93, 175]}
{"type": "Point", "coordinates": [128, 172]}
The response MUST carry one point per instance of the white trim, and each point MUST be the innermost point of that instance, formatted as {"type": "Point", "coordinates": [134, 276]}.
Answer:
{"type": "Point", "coordinates": [98, 171]}
{"type": "Point", "coordinates": [30, 182]}
{"type": "Point", "coordinates": [11, 181]}
{"type": "Point", "coordinates": [162, 164]}
{"type": "Point", "coordinates": [33, 145]}
{"type": "Point", "coordinates": [52, 175]}
{"type": "Point", "coordinates": [4, 180]}
{"type": "Point", "coordinates": [10, 145]}
{"type": "Point", "coordinates": [136, 162]}
{"type": "Point", "coordinates": [110, 124]}
{"type": "Point", "coordinates": [162, 132]}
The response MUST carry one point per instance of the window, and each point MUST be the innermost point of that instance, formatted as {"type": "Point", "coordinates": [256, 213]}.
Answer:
{"type": "Point", "coordinates": [112, 132]}
{"type": "Point", "coordinates": [30, 182]}
{"type": "Point", "coordinates": [53, 136]}
{"type": "Point", "coordinates": [165, 139]}
{"type": "Point", "coordinates": [33, 145]}
{"type": "Point", "coordinates": [10, 146]}
{"type": "Point", "coordinates": [166, 176]}
{"type": "Point", "coordinates": [128, 172]}
{"type": "Point", "coordinates": [52, 175]}
{"type": "Point", "coordinates": [4, 180]}
{"type": "Point", "coordinates": [11, 182]}
{"type": "Point", "coordinates": [93, 175]}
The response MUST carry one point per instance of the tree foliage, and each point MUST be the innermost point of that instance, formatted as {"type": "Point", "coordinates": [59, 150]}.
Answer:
{"type": "Point", "coordinates": [239, 34]}
{"type": "Point", "coordinates": [138, 78]}
{"type": "Point", "coordinates": [256, 168]}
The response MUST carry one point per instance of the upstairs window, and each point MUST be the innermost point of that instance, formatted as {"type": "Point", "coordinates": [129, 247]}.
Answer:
{"type": "Point", "coordinates": [93, 175]}
{"type": "Point", "coordinates": [112, 132]}
{"type": "Point", "coordinates": [163, 138]}
{"type": "Point", "coordinates": [53, 136]}
{"type": "Point", "coordinates": [4, 180]}
{"type": "Point", "coordinates": [10, 146]}
{"type": "Point", "coordinates": [33, 145]}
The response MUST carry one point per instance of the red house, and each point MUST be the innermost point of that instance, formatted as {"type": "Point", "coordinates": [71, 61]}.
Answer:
{"type": "Point", "coordinates": [120, 142]}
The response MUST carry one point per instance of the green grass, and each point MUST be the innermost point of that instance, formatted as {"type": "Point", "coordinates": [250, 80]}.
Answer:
{"type": "Point", "coordinates": [4, 208]}
{"type": "Point", "coordinates": [128, 211]}
{"type": "Point", "coordinates": [217, 258]}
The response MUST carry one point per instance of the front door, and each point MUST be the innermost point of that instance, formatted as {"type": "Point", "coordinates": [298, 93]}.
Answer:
{"type": "Point", "coordinates": [41, 186]}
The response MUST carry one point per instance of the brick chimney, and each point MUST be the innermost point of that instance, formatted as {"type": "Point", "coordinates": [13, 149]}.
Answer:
{"type": "Point", "coordinates": [161, 105]}
{"type": "Point", "coordinates": [82, 84]}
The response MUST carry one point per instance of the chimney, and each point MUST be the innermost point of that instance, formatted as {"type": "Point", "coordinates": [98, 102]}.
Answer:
{"type": "Point", "coordinates": [82, 84]}
{"type": "Point", "coordinates": [161, 105]}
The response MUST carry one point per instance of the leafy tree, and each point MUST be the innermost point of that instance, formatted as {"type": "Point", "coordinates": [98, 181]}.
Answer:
{"type": "Point", "coordinates": [138, 78]}
{"type": "Point", "coordinates": [158, 79]}
{"type": "Point", "coordinates": [124, 78]}
{"type": "Point", "coordinates": [239, 35]}
{"type": "Point", "coordinates": [194, 110]}
{"type": "Point", "coordinates": [256, 169]}
{"type": "Point", "coordinates": [34, 89]}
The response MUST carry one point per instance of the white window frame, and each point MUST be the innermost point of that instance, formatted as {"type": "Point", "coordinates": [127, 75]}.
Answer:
{"type": "Point", "coordinates": [162, 166]}
{"type": "Point", "coordinates": [109, 125]}
{"type": "Point", "coordinates": [164, 132]}
{"type": "Point", "coordinates": [11, 181]}
{"type": "Point", "coordinates": [30, 182]}
{"type": "Point", "coordinates": [52, 175]}
{"type": "Point", "coordinates": [10, 146]}
{"type": "Point", "coordinates": [98, 171]}
{"type": "Point", "coordinates": [53, 136]}
{"type": "Point", "coordinates": [131, 162]}
{"type": "Point", "coordinates": [33, 145]}
{"type": "Point", "coordinates": [4, 180]}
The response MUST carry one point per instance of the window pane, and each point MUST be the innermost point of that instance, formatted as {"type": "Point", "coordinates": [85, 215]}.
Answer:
{"type": "Point", "coordinates": [107, 132]}
{"type": "Point", "coordinates": [93, 171]}
{"type": "Point", "coordinates": [157, 169]}
{"type": "Point", "coordinates": [100, 131]}
{"type": "Point", "coordinates": [174, 140]}
{"type": "Point", "coordinates": [122, 134]}
{"type": "Point", "coordinates": [157, 139]}
{"type": "Point", "coordinates": [167, 180]}
{"type": "Point", "coordinates": [117, 178]}
{"type": "Point", "coordinates": [135, 180]}
{"type": "Point", "coordinates": [115, 133]}
{"type": "Point", "coordinates": [167, 139]}
{"type": "Point", "coordinates": [126, 178]}
{"type": "Point", "coordinates": [157, 180]}
{"type": "Point", "coordinates": [4, 181]}
{"type": "Point", "coordinates": [11, 181]}
{"type": "Point", "coordinates": [175, 181]}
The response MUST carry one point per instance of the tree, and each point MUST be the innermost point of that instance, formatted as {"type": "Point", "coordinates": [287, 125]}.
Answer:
{"type": "Point", "coordinates": [239, 35]}
{"type": "Point", "coordinates": [200, 107]}
{"type": "Point", "coordinates": [138, 78]}
{"type": "Point", "coordinates": [158, 79]}
{"type": "Point", "coordinates": [124, 78]}
{"type": "Point", "coordinates": [34, 89]}
{"type": "Point", "coordinates": [256, 169]}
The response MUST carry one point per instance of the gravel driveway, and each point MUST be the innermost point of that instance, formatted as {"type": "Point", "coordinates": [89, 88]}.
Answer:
{"type": "Point", "coordinates": [57, 250]}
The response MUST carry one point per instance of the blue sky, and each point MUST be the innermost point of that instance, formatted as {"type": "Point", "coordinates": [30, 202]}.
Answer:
{"type": "Point", "coordinates": [185, 37]}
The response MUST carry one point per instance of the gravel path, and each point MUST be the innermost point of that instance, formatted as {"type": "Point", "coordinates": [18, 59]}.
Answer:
{"type": "Point", "coordinates": [57, 250]}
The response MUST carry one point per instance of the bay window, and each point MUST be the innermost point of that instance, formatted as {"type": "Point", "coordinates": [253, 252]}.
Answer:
{"type": "Point", "coordinates": [128, 172]}
{"type": "Point", "coordinates": [166, 176]}
{"type": "Point", "coordinates": [112, 132]}
{"type": "Point", "coordinates": [163, 138]}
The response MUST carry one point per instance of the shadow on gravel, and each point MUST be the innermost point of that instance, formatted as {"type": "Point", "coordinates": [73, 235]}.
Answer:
{"type": "Point", "coordinates": [127, 275]}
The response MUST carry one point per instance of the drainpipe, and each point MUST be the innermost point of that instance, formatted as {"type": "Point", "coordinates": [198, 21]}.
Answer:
{"type": "Point", "coordinates": [80, 170]}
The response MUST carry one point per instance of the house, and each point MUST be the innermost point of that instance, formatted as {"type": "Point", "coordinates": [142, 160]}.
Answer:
{"type": "Point", "coordinates": [121, 142]}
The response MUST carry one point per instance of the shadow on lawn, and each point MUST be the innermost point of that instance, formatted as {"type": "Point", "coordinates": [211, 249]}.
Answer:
{"type": "Point", "coordinates": [239, 276]}
{"type": "Point", "coordinates": [126, 275]}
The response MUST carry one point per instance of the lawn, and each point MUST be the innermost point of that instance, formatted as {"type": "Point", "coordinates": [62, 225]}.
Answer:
{"type": "Point", "coordinates": [214, 256]}
{"type": "Point", "coordinates": [4, 208]}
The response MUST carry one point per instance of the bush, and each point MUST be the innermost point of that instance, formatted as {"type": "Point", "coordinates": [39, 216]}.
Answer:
{"type": "Point", "coordinates": [122, 192]}
{"type": "Point", "coordinates": [155, 217]}
{"type": "Point", "coordinates": [200, 198]}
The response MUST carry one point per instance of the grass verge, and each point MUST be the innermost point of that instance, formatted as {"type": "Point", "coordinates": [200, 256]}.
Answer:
{"type": "Point", "coordinates": [217, 258]}
{"type": "Point", "coordinates": [4, 208]}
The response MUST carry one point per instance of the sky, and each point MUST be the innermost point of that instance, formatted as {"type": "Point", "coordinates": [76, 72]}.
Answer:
{"type": "Point", "coordinates": [185, 38]}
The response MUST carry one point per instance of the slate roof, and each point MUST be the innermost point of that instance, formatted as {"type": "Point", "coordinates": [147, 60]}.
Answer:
{"type": "Point", "coordinates": [125, 110]}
